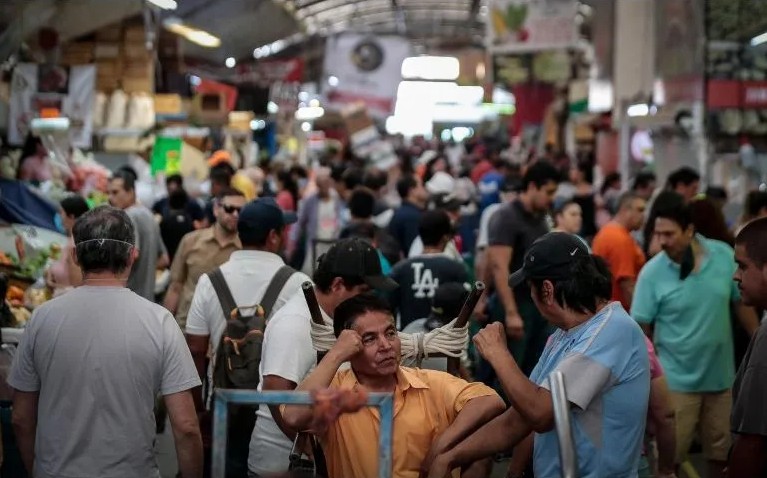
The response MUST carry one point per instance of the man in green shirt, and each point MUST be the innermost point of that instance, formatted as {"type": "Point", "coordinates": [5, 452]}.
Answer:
{"type": "Point", "coordinates": [682, 300]}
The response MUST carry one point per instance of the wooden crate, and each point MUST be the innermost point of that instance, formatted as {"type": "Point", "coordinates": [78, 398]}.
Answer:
{"type": "Point", "coordinates": [134, 34]}
{"type": "Point", "coordinates": [168, 104]}
{"type": "Point", "coordinates": [138, 69]}
{"type": "Point", "coordinates": [135, 50]}
{"type": "Point", "coordinates": [106, 51]}
{"type": "Point", "coordinates": [138, 85]}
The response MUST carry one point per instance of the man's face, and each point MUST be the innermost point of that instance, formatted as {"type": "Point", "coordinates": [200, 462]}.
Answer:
{"type": "Point", "coordinates": [172, 187]}
{"type": "Point", "coordinates": [324, 183]}
{"type": "Point", "coordinates": [118, 196]}
{"type": "Point", "coordinates": [543, 197]}
{"type": "Point", "coordinates": [751, 279]}
{"type": "Point", "coordinates": [227, 212]}
{"type": "Point", "coordinates": [688, 191]}
{"type": "Point", "coordinates": [381, 346]}
{"type": "Point", "coordinates": [672, 238]}
{"type": "Point", "coordinates": [636, 214]}
{"type": "Point", "coordinates": [646, 192]}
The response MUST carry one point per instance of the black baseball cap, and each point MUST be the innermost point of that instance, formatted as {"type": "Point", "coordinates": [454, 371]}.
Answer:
{"type": "Point", "coordinates": [447, 303]}
{"type": "Point", "coordinates": [259, 217]}
{"type": "Point", "coordinates": [550, 257]}
{"type": "Point", "coordinates": [355, 257]}
{"type": "Point", "coordinates": [448, 201]}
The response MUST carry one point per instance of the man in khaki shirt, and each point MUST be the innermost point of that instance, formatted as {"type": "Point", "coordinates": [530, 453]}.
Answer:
{"type": "Point", "coordinates": [202, 251]}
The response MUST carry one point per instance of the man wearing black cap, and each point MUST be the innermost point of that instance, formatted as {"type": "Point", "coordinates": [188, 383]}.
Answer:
{"type": "Point", "coordinates": [598, 348]}
{"type": "Point", "coordinates": [248, 273]}
{"type": "Point", "coordinates": [451, 204]}
{"type": "Point", "coordinates": [349, 268]}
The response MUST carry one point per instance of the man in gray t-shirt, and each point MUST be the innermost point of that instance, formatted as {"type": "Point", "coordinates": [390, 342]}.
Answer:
{"type": "Point", "coordinates": [122, 194]}
{"type": "Point", "coordinates": [90, 364]}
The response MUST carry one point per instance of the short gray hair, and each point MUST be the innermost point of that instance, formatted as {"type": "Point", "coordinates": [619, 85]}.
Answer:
{"type": "Point", "coordinates": [113, 253]}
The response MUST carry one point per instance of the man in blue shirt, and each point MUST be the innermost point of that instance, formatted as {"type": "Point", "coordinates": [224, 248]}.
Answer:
{"type": "Point", "coordinates": [600, 351]}
{"type": "Point", "coordinates": [404, 223]}
{"type": "Point", "coordinates": [682, 299]}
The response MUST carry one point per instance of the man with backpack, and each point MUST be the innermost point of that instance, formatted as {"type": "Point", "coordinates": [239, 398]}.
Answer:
{"type": "Point", "coordinates": [228, 314]}
{"type": "Point", "coordinates": [351, 267]}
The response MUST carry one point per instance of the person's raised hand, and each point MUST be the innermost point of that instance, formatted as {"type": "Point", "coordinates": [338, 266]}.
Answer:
{"type": "Point", "coordinates": [491, 342]}
{"type": "Point", "coordinates": [348, 345]}
{"type": "Point", "coordinates": [515, 326]}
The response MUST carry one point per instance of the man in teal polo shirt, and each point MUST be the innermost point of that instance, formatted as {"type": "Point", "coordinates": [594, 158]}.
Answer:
{"type": "Point", "coordinates": [682, 300]}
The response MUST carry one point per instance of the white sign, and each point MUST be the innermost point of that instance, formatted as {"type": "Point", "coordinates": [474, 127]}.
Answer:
{"type": "Point", "coordinates": [75, 103]}
{"type": "Point", "coordinates": [516, 26]}
{"type": "Point", "coordinates": [364, 69]}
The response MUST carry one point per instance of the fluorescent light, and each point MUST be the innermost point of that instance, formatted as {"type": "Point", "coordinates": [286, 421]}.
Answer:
{"type": "Point", "coordinates": [231, 62]}
{"type": "Point", "coordinates": [431, 68]}
{"type": "Point", "coordinates": [164, 4]}
{"type": "Point", "coordinates": [640, 109]}
{"type": "Point", "coordinates": [759, 39]}
{"type": "Point", "coordinates": [194, 35]}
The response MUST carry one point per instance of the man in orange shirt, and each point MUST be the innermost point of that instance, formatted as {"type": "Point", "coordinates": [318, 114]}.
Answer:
{"type": "Point", "coordinates": [615, 245]}
{"type": "Point", "coordinates": [433, 410]}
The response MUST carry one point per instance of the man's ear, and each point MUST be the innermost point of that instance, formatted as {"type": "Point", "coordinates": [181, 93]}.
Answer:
{"type": "Point", "coordinates": [73, 256]}
{"type": "Point", "coordinates": [547, 292]}
{"type": "Point", "coordinates": [337, 285]}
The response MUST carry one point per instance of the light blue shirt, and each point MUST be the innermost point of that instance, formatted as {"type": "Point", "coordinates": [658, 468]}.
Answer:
{"type": "Point", "coordinates": [692, 335]}
{"type": "Point", "coordinates": [607, 379]}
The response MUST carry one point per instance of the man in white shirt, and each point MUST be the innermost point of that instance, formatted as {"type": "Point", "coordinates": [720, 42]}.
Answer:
{"type": "Point", "coordinates": [351, 267]}
{"type": "Point", "coordinates": [261, 228]}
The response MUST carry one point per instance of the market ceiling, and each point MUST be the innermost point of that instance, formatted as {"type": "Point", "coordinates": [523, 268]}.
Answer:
{"type": "Point", "coordinates": [244, 25]}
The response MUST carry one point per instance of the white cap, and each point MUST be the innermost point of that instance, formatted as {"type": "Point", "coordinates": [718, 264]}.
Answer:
{"type": "Point", "coordinates": [440, 183]}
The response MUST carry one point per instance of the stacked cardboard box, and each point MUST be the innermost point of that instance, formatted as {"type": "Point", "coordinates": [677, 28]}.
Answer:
{"type": "Point", "coordinates": [80, 53]}
{"type": "Point", "coordinates": [138, 62]}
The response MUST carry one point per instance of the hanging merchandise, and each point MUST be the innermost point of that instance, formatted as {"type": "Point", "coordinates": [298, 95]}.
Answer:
{"type": "Point", "coordinates": [364, 69]}
{"type": "Point", "coordinates": [69, 90]}
{"type": "Point", "coordinates": [531, 25]}
{"type": "Point", "coordinates": [166, 156]}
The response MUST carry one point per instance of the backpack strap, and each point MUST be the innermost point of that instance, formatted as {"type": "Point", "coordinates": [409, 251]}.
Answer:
{"type": "Point", "coordinates": [222, 291]}
{"type": "Point", "coordinates": [275, 287]}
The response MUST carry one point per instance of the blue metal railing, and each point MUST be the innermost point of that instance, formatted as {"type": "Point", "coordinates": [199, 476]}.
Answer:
{"type": "Point", "coordinates": [223, 397]}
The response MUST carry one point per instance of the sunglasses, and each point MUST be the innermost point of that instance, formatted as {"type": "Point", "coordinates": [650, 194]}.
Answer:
{"type": "Point", "coordinates": [229, 209]}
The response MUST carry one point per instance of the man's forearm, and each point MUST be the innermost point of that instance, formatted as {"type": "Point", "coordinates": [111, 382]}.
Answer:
{"type": "Point", "coordinates": [172, 297]}
{"type": "Point", "coordinates": [189, 454]}
{"type": "Point", "coordinates": [498, 436]}
{"type": "Point", "coordinates": [521, 456]}
{"type": "Point", "coordinates": [25, 440]}
{"type": "Point", "coordinates": [505, 294]}
{"type": "Point", "coordinates": [748, 318]}
{"type": "Point", "coordinates": [627, 291]}
{"type": "Point", "coordinates": [475, 413]}
{"type": "Point", "coordinates": [299, 417]}
{"type": "Point", "coordinates": [530, 400]}
{"type": "Point", "coordinates": [749, 456]}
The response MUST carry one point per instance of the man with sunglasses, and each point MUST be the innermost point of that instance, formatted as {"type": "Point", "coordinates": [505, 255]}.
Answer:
{"type": "Point", "coordinates": [202, 251]}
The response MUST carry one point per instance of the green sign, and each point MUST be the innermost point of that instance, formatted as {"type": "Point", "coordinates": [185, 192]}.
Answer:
{"type": "Point", "coordinates": [166, 156]}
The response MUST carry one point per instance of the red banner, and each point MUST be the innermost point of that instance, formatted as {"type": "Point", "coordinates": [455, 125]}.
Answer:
{"type": "Point", "coordinates": [268, 72]}
{"type": "Point", "coordinates": [737, 94]}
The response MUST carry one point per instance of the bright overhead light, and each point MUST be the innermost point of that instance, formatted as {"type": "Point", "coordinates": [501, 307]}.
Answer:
{"type": "Point", "coordinates": [431, 68]}
{"type": "Point", "coordinates": [272, 108]}
{"type": "Point", "coordinates": [164, 4]}
{"type": "Point", "coordinates": [640, 109]}
{"type": "Point", "coordinates": [314, 103]}
{"type": "Point", "coordinates": [194, 35]}
{"type": "Point", "coordinates": [759, 39]}
{"type": "Point", "coordinates": [257, 125]}
{"type": "Point", "coordinates": [333, 81]}
{"type": "Point", "coordinates": [230, 62]}
{"type": "Point", "coordinates": [309, 113]}
{"type": "Point", "coordinates": [306, 127]}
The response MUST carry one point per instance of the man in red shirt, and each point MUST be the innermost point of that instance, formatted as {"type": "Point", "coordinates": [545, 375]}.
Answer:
{"type": "Point", "coordinates": [615, 245]}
